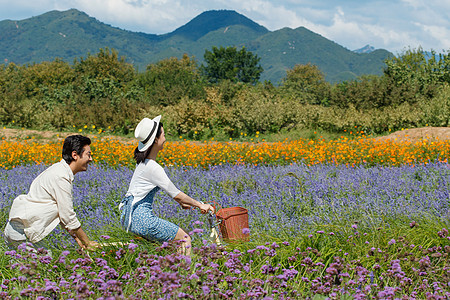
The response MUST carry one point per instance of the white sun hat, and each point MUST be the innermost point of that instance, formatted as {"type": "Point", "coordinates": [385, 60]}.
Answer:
{"type": "Point", "coordinates": [145, 132]}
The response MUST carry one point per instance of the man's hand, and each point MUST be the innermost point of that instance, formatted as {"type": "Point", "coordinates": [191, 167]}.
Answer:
{"type": "Point", "coordinates": [82, 239]}
{"type": "Point", "coordinates": [79, 242]}
{"type": "Point", "coordinates": [92, 245]}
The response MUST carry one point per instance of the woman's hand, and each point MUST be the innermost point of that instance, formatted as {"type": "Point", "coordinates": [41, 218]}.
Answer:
{"type": "Point", "coordinates": [187, 202]}
{"type": "Point", "coordinates": [205, 208]}
{"type": "Point", "coordinates": [185, 206]}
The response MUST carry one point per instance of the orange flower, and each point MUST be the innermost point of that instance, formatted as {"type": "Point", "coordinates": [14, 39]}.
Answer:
{"type": "Point", "coordinates": [347, 151]}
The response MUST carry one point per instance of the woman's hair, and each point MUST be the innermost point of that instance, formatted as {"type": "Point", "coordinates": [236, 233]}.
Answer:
{"type": "Point", "coordinates": [74, 143]}
{"type": "Point", "coordinates": [140, 156]}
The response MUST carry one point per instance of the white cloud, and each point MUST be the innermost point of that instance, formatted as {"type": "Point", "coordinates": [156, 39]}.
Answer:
{"type": "Point", "coordinates": [135, 15]}
{"type": "Point", "coordinates": [439, 33]}
{"type": "Point", "coordinates": [274, 15]}
{"type": "Point", "coordinates": [413, 3]}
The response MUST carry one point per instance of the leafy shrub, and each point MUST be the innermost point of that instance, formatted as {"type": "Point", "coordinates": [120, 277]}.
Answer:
{"type": "Point", "coordinates": [168, 81]}
{"type": "Point", "coordinates": [106, 92]}
{"type": "Point", "coordinates": [256, 110]}
{"type": "Point", "coordinates": [366, 93]}
{"type": "Point", "coordinates": [230, 64]}
{"type": "Point", "coordinates": [106, 64]}
{"type": "Point", "coordinates": [199, 119]}
{"type": "Point", "coordinates": [306, 83]}
{"type": "Point", "coordinates": [436, 111]}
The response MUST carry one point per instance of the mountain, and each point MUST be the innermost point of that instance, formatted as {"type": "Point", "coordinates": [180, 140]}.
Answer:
{"type": "Point", "coordinates": [365, 49]}
{"type": "Point", "coordinates": [72, 34]}
{"type": "Point", "coordinates": [213, 20]}
{"type": "Point", "coordinates": [68, 35]}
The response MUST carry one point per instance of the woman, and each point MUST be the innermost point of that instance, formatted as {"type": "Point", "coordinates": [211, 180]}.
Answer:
{"type": "Point", "coordinates": [148, 178]}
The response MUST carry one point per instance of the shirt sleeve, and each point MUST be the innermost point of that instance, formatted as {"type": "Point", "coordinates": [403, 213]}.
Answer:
{"type": "Point", "coordinates": [63, 197]}
{"type": "Point", "coordinates": [159, 178]}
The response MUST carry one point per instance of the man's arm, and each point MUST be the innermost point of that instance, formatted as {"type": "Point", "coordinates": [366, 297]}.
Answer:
{"type": "Point", "coordinates": [62, 193]}
{"type": "Point", "coordinates": [67, 215]}
{"type": "Point", "coordinates": [82, 240]}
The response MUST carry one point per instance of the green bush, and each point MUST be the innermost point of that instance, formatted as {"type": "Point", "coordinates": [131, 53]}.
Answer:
{"type": "Point", "coordinates": [199, 119]}
{"type": "Point", "coordinates": [306, 84]}
{"type": "Point", "coordinates": [168, 81]}
{"type": "Point", "coordinates": [436, 111]}
{"type": "Point", "coordinates": [255, 110]}
{"type": "Point", "coordinates": [105, 92]}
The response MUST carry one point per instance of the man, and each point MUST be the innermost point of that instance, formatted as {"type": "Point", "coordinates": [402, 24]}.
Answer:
{"type": "Point", "coordinates": [49, 201]}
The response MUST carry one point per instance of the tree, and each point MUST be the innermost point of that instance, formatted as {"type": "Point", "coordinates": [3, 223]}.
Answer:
{"type": "Point", "coordinates": [418, 69]}
{"type": "Point", "coordinates": [229, 63]}
{"type": "Point", "coordinates": [168, 81]}
{"type": "Point", "coordinates": [307, 84]}
{"type": "Point", "coordinates": [105, 65]}
{"type": "Point", "coordinates": [103, 76]}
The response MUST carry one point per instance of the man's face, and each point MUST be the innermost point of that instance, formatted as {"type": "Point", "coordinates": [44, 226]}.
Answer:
{"type": "Point", "coordinates": [81, 162]}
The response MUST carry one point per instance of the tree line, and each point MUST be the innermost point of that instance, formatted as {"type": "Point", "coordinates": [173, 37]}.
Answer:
{"type": "Point", "coordinates": [223, 97]}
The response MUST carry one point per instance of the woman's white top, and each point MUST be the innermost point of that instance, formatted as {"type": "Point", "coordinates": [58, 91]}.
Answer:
{"type": "Point", "coordinates": [148, 175]}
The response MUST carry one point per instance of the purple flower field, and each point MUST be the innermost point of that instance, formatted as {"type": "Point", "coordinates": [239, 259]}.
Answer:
{"type": "Point", "coordinates": [315, 232]}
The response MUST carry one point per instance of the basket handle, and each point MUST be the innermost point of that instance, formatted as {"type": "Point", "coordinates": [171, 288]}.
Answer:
{"type": "Point", "coordinates": [229, 216]}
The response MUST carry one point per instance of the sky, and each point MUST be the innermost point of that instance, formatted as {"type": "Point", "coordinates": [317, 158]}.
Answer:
{"type": "Point", "coordinates": [394, 25]}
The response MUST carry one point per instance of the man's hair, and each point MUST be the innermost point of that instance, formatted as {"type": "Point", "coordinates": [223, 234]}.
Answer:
{"type": "Point", "coordinates": [74, 143]}
{"type": "Point", "coordinates": [140, 156]}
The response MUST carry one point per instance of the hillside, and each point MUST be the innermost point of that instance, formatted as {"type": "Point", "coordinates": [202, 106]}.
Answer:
{"type": "Point", "coordinates": [73, 34]}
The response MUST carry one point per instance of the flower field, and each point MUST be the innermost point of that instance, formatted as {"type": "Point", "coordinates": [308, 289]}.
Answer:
{"type": "Point", "coordinates": [342, 219]}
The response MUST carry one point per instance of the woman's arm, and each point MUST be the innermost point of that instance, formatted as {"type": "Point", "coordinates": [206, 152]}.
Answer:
{"type": "Point", "coordinates": [185, 201]}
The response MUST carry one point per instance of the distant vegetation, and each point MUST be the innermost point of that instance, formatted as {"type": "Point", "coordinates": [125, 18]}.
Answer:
{"type": "Point", "coordinates": [104, 92]}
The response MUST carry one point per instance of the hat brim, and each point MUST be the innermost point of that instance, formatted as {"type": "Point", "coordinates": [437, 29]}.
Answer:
{"type": "Point", "coordinates": [143, 147]}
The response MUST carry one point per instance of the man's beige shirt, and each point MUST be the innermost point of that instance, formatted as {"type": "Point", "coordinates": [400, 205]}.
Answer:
{"type": "Point", "coordinates": [48, 203]}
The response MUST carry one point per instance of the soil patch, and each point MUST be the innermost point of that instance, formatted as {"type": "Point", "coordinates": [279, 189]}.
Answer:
{"type": "Point", "coordinates": [43, 136]}
{"type": "Point", "coordinates": [415, 134]}
{"type": "Point", "coordinates": [10, 134]}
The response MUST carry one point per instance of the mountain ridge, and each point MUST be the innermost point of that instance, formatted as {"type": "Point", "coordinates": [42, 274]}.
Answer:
{"type": "Point", "coordinates": [198, 26]}
{"type": "Point", "coordinates": [72, 34]}
{"type": "Point", "coordinates": [365, 49]}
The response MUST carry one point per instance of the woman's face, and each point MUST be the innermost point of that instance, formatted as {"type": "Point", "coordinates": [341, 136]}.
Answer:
{"type": "Point", "coordinates": [160, 140]}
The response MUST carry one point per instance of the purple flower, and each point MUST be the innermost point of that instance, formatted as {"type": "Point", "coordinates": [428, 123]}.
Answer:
{"type": "Point", "coordinates": [45, 259]}
{"type": "Point", "coordinates": [443, 233]}
{"type": "Point", "coordinates": [206, 290]}
{"type": "Point", "coordinates": [132, 246]}
{"type": "Point", "coordinates": [193, 277]}
{"type": "Point", "coordinates": [196, 231]}
{"type": "Point", "coordinates": [391, 242]}
{"type": "Point", "coordinates": [246, 231]}
{"type": "Point", "coordinates": [331, 271]}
